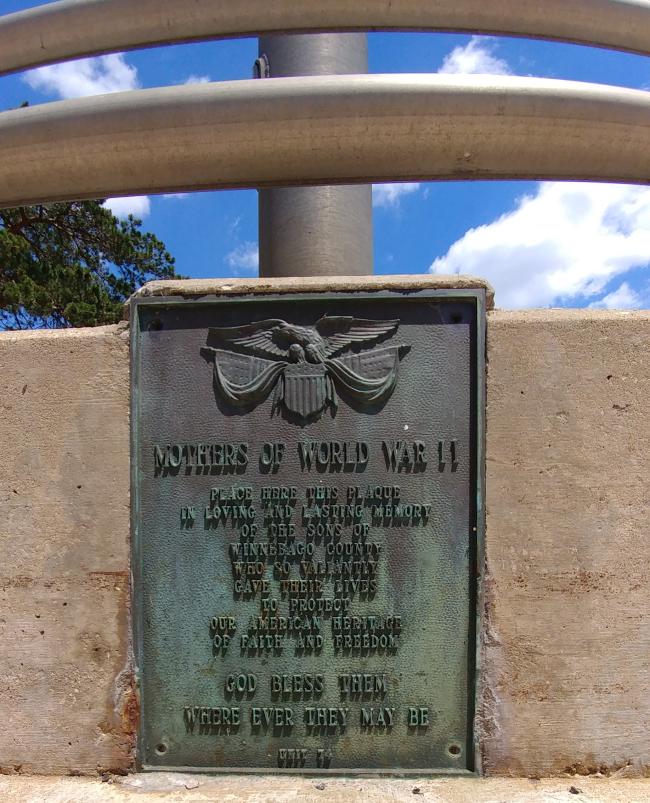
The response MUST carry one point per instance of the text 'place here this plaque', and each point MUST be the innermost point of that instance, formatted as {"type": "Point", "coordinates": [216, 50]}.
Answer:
{"type": "Point", "coordinates": [307, 528]}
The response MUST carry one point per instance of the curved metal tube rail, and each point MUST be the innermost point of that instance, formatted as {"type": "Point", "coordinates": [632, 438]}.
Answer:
{"type": "Point", "coordinates": [325, 129]}
{"type": "Point", "coordinates": [72, 28]}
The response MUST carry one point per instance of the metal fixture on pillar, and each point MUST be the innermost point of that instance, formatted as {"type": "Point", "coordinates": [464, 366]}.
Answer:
{"type": "Point", "coordinates": [314, 231]}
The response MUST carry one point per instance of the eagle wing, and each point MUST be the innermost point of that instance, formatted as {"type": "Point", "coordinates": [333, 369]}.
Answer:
{"type": "Point", "coordinates": [339, 331]}
{"type": "Point", "coordinates": [261, 339]}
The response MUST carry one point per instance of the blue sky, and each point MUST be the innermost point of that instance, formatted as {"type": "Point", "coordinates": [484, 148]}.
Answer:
{"type": "Point", "coordinates": [540, 245]}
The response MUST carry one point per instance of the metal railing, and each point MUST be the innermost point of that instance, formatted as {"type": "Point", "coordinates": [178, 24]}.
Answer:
{"type": "Point", "coordinates": [317, 130]}
{"type": "Point", "coordinates": [72, 28]}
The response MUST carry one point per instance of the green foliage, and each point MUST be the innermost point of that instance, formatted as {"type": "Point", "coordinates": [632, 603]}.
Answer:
{"type": "Point", "coordinates": [73, 264]}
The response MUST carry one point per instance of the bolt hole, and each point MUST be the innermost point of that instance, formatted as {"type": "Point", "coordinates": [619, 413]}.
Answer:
{"type": "Point", "coordinates": [161, 749]}
{"type": "Point", "coordinates": [156, 325]}
{"type": "Point", "coordinates": [454, 750]}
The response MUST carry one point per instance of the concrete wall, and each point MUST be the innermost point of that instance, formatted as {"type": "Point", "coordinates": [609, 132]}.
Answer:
{"type": "Point", "coordinates": [566, 658]}
{"type": "Point", "coordinates": [567, 642]}
{"type": "Point", "coordinates": [64, 540]}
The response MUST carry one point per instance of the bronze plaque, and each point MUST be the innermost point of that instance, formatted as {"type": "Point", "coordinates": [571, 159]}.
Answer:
{"type": "Point", "coordinates": [307, 486]}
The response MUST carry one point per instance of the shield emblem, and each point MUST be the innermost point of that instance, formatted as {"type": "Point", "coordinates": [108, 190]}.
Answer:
{"type": "Point", "coordinates": [307, 389]}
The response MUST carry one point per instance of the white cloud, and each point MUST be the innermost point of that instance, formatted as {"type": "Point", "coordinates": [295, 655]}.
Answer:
{"type": "Point", "coordinates": [389, 196]}
{"type": "Point", "coordinates": [76, 79]}
{"type": "Point", "coordinates": [244, 259]}
{"type": "Point", "coordinates": [476, 57]}
{"type": "Point", "coordinates": [198, 79]}
{"type": "Point", "coordinates": [567, 241]}
{"type": "Point", "coordinates": [234, 224]}
{"type": "Point", "coordinates": [137, 205]}
{"type": "Point", "coordinates": [622, 298]}
{"type": "Point", "coordinates": [175, 196]}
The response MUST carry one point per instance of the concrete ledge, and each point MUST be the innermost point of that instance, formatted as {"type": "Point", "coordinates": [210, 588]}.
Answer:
{"type": "Point", "coordinates": [293, 789]}
{"type": "Point", "coordinates": [312, 284]}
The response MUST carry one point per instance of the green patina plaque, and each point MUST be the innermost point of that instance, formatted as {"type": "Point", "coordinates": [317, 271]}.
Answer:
{"type": "Point", "coordinates": [307, 518]}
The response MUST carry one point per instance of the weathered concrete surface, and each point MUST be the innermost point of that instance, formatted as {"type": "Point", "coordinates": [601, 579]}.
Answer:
{"type": "Point", "coordinates": [264, 789]}
{"type": "Point", "coordinates": [567, 656]}
{"type": "Point", "coordinates": [311, 284]}
{"type": "Point", "coordinates": [64, 541]}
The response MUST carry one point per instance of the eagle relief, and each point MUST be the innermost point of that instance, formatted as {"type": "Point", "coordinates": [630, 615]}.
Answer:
{"type": "Point", "coordinates": [307, 367]}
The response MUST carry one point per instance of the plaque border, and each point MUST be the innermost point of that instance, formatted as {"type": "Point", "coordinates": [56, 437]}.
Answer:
{"type": "Point", "coordinates": [473, 766]}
